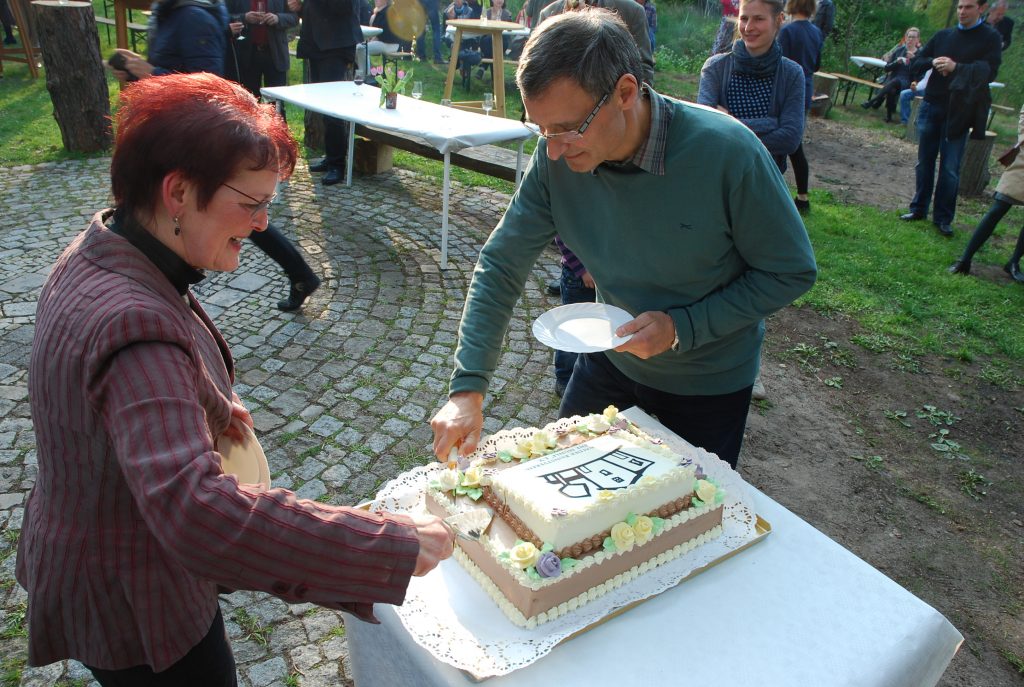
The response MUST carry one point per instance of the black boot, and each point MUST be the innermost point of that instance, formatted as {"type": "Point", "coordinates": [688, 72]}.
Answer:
{"type": "Point", "coordinates": [960, 267]}
{"type": "Point", "coordinates": [1013, 269]}
{"type": "Point", "coordinates": [299, 292]}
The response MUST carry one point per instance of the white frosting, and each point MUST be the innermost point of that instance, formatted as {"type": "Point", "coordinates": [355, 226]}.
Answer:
{"type": "Point", "coordinates": [517, 617]}
{"type": "Point", "coordinates": [573, 494]}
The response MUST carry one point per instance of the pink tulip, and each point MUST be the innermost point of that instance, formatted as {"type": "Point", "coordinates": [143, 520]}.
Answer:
{"type": "Point", "coordinates": [401, 75]}
{"type": "Point", "coordinates": [376, 71]}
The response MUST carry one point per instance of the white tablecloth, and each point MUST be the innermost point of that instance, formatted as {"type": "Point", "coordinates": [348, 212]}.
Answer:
{"type": "Point", "coordinates": [794, 609]}
{"type": "Point", "coordinates": [445, 128]}
{"type": "Point", "coordinates": [862, 61]}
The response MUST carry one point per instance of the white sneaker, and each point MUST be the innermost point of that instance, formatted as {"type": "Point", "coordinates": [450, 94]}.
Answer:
{"type": "Point", "coordinates": [758, 393]}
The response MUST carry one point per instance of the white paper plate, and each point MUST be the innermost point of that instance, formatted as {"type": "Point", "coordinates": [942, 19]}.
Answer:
{"type": "Point", "coordinates": [245, 459]}
{"type": "Point", "coordinates": [582, 327]}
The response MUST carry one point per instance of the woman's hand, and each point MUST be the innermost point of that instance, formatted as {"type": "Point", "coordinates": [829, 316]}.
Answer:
{"type": "Point", "coordinates": [236, 28]}
{"type": "Point", "coordinates": [239, 416]}
{"type": "Point", "coordinates": [437, 542]}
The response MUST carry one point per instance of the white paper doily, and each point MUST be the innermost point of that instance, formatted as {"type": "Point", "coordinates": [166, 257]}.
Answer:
{"type": "Point", "coordinates": [449, 615]}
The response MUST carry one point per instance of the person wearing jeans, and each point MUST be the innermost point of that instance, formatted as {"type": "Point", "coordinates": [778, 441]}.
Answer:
{"type": "Point", "coordinates": [432, 10]}
{"type": "Point", "coordinates": [935, 143]}
{"type": "Point", "coordinates": [968, 53]}
{"type": "Point", "coordinates": [907, 96]}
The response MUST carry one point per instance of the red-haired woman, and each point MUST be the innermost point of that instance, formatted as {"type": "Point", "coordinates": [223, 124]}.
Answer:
{"type": "Point", "coordinates": [132, 526]}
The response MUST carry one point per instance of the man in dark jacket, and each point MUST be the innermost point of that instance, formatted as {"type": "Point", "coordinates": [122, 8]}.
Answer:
{"type": "Point", "coordinates": [971, 45]}
{"type": "Point", "coordinates": [261, 57]}
{"type": "Point", "coordinates": [328, 38]}
{"type": "Point", "coordinates": [998, 20]}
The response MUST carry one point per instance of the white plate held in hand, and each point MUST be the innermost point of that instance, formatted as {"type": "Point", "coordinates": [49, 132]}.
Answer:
{"type": "Point", "coordinates": [582, 327]}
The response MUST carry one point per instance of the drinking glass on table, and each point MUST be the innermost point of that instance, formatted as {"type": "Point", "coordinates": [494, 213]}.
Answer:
{"type": "Point", "coordinates": [417, 89]}
{"type": "Point", "coordinates": [488, 103]}
{"type": "Point", "coordinates": [358, 78]}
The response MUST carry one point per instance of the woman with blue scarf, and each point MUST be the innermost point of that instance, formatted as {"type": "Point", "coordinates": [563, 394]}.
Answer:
{"type": "Point", "coordinates": [757, 85]}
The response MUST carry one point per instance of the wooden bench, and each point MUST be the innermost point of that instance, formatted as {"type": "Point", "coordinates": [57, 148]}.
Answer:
{"type": "Point", "coordinates": [849, 83]}
{"type": "Point", "coordinates": [134, 29]}
{"type": "Point", "coordinates": [1003, 109]}
{"type": "Point", "coordinates": [374, 156]}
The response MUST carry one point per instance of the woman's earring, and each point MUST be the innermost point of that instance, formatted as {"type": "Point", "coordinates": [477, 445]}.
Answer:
{"type": "Point", "coordinates": [177, 227]}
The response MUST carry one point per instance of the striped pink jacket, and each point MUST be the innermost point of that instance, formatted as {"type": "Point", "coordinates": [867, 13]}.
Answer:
{"type": "Point", "coordinates": [132, 525]}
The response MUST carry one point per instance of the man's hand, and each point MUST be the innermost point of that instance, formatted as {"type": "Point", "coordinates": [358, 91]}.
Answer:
{"type": "Point", "coordinates": [458, 424]}
{"type": "Point", "coordinates": [944, 65]}
{"type": "Point", "coordinates": [236, 28]}
{"type": "Point", "coordinates": [134, 66]}
{"type": "Point", "coordinates": [295, 6]}
{"type": "Point", "coordinates": [270, 19]}
{"type": "Point", "coordinates": [653, 333]}
{"type": "Point", "coordinates": [437, 542]}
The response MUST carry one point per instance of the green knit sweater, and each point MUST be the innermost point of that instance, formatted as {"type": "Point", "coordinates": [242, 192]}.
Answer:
{"type": "Point", "coordinates": [716, 242]}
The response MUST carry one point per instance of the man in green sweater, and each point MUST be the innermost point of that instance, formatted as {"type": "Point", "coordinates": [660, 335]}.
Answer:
{"type": "Point", "coordinates": [680, 215]}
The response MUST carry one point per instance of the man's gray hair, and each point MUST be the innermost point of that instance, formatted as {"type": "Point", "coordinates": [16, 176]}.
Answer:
{"type": "Point", "coordinates": [591, 46]}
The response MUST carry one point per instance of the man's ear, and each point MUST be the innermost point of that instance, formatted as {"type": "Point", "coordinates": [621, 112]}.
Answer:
{"type": "Point", "coordinates": [627, 91]}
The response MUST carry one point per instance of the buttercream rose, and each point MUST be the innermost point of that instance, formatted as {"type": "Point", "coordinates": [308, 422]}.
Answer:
{"type": "Point", "coordinates": [623, 536]}
{"type": "Point", "coordinates": [542, 441]}
{"type": "Point", "coordinates": [597, 424]}
{"type": "Point", "coordinates": [549, 565]}
{"type": "Point", "coordinates": [610, 413]}
{"type": "Point", "coordinates": [522, 450]}
{"type": "Point", "coordinates": [523, 555]}
{"type": "Point", "coordinates": [605, 495]}
{"type": "Point", "coordinates": [706, 491]}
{"type": "Point", "coordinates": [643, 528]}
{"type": "Point", "coordinates": [471, 477]}
{"type": "Point", "coordinates": [448, 480]}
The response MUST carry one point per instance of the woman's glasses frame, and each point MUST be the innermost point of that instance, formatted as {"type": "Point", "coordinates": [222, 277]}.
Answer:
{"type": "Point", "coordinates": [257, 205]}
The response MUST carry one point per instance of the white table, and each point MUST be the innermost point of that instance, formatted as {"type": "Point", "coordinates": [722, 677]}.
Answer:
{"type": "Point", "coordinates": [794, 609]}
{"type": "Point", "coordinates": [872, 65]}
{"type": "Point", "coordinates": [446, 129]}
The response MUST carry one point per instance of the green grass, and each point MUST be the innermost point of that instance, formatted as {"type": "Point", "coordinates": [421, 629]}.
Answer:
{"type": "Point", "coordinates": [890, 276]}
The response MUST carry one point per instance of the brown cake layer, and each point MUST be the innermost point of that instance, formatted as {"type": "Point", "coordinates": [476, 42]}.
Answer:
{"type": "Point", "coordinates": [531, 603]}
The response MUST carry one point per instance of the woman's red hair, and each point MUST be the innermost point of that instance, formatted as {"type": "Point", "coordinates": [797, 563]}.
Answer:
{"type": "Point", "coordinates": [199, 124]}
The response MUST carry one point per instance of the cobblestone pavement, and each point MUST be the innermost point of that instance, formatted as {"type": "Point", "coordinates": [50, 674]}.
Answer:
{"type": "Point", "coordinates": [341, 393]}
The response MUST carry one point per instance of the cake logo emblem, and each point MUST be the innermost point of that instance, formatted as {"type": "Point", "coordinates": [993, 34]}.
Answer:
{"type": "Point", "coordinates": [611, 471]}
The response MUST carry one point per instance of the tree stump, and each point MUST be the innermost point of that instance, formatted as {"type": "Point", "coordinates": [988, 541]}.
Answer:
{"type": "Point", "coordinates": [313, 138]}
{"type": "Point", "coordinates": [912, 134]}
{"type": "Point", "coordinates": [974, 173]}
{"type": "Point", "coordinates": [74, 73]}
{"type": "Point", "coordinates": [824, 84]}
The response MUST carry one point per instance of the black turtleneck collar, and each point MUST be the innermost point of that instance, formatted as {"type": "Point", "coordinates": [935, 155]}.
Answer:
{"type": "Point", "coordinates": [177, 271]}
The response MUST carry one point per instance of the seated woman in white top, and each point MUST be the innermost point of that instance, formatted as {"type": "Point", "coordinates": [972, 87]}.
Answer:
{"type": "Point", "coordinates": [378, 45]}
